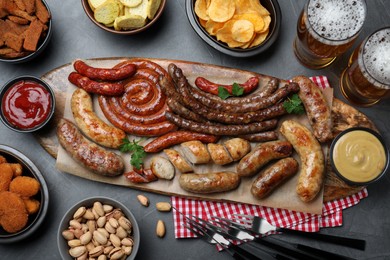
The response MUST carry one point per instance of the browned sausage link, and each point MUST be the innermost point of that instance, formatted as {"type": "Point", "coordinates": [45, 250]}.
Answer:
{"type": "Point", "coordinates": [129, 127]}
{"type": "Point", "coordinates": [177, 137]}
{"type": "Point", "coordinates": [220, 129]}
{"type": "Point", "coordinates": [204, 183]}
{"type": "Point", "coordinates": [114, 104]}
{"type": "Point", "coordinates": [317, 109]}
{"type": "Point", "coordinates": [87, 153]}
{"type": "Point", "coordinates": [262, 154]}
{"type": "Point", "coordinates": [103, 73]}
{"type": "Point", "coordinates": [184, 112]}
{"type": "Point", "coordinates": [91, 86]}
{"type": "Point", "coordinates": [261, 137]}
{"type": "Point", "coordinates": [242, 104]}
{"type": "Point", "coordinates": [273, 176]}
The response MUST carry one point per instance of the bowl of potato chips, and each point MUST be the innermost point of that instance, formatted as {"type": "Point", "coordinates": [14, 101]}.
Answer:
{"type": "Point", "coordinates": [123, 16]}
{"type": "Point", "coordinates": [239, 28]}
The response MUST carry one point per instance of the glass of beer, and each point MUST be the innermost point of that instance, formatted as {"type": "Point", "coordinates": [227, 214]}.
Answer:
{"type": "Point", "coordinates": [366, 80]}
{"type": "Point", "coordinates": [326, 29]}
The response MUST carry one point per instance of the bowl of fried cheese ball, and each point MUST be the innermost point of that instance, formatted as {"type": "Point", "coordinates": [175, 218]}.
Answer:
{"type": "Point", "coordinates": [24, 196]}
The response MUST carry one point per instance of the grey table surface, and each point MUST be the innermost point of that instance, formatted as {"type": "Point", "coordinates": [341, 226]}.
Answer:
{"type": "Point", "coordinates": [172, 37]}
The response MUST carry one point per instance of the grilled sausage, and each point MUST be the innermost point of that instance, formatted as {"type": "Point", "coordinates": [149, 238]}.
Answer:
{"type": "Point", "coordinates": [204, 183]}
{"type": "Point", "coordinates": [87, 153]}
{"type": "Point", "coordinates": [273, 176]}
{"type": "Point", "coordinates": [196, 152]}
{"type": "Point", "coordinates": [312, 171]}
{"type": "Point", "coordinates": [250, 85]}
{"type": "Point", "coordinates": [261, 137]}
{"type": "Point", "coordinates": [178, 161]}
{"type": "Point", "coordinates": [103, 73]}
{"type": "Point", "coordinates": [262, 154]}
{"type": "Point", "coordinates": [237, 147]}
{"type": "Point", "coordinates": [317, 109]}
{"type": "Point", "coordinates": [91, 125]}
{"type": "Point", "coordinates": [91, 86]}
{"type": "Point", "coordinates": [177, 137]}
{"type": "Point", "coordinates": [219, 154]}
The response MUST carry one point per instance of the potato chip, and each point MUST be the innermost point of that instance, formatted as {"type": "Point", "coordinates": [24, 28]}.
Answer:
{"type": "Point", "coordinates": [242, 31]}
{"type": "Point", "coordinates": [267, 22]}
{"type": "Point", "coordinates": [255, 5]}
{"type": "Point", "coordinates": [221, 10]}
{"type": "Point", "coordinates": [259, 38]}
{"type": "Point", "coordinates": [254, 18]}
{"type": "Point", "coordinates": [203, 22]}
{"type": "Point", "coordinates": [225, 34]}
{"type": "Point", "coordinates": [243, 7]}
{"type": "Point", "coordinates": [212, 27]}
{"type": "Point", "coordinates": [201, 9]}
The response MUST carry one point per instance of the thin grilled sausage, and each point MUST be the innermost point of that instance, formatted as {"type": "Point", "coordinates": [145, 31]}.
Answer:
{"type": "Point", "coordinates": [261, 155]}
{"type": "Point", "coordinates": [204, 183]}
{"type": "Point", "coordinates": [261, 137]}
{"type": "Point", "coordinates": [90, 124]}
{"type": "Point", "coordinates": [103, 73]}
{"type": "Point", "coordinates": [312, 173]}
{"type": "Point", "coordinates": [317, 109]}
{"type": "Point", "coordinates": [87, 153]}
{"type": "Point", "coordinates": [91, 86]}
{"type": "Point", "coordinates": [273, 176]}
{"type": "Point", "coordinates": [177, 137]}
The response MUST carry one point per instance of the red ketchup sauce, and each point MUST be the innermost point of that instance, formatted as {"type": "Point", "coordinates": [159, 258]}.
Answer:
{"type": "Point", "coordinates": [26, 104]}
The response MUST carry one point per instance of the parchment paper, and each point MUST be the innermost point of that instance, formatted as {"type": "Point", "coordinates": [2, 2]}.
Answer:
{"type": "Point", "coordinates": [283, 197]}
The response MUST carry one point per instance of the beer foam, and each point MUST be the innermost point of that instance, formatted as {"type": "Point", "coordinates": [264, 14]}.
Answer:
{"type": "Point", "coordinates": [335, 20]}
{"type": "Point", "coordinates": [375, 57]}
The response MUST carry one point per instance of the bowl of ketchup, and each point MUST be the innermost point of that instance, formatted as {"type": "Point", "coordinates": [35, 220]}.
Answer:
{"type": "Point", "coordinates": [27, 104]}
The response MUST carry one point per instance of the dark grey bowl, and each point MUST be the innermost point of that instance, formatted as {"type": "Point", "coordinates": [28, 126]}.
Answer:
{"type": "Point", "coordinates": [88, 202]}
{"type": "Point", "coordinates": [382, 141]}
{"type": "Point", "coordinates": [42, 44]}
{"type": "Point", "coordinates": [34, 221]}
{"type": "Point", "coordinates": [276, 19]}
{"type": "Point", "coordinates": [29, 78]}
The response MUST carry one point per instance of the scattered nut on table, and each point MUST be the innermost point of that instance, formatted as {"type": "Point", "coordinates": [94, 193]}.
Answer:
{"type": "Point", "coordinates": [163, 206]}
{"type": "Point", "coordinates": [143, 200]}
{"type": "Point", "coordinates": [108, 235]}
{"type": "Point", "coordinates": [160, 229]}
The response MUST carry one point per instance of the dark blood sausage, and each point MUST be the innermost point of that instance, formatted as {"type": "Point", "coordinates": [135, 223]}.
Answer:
{"type": "Point", "coordinates": [91, 86]}
{"type": "Point", "coordinates": [141, 109]}
{"type": "Point", "coordinates": [87, 153]}
{"type": "Point", "coordinates": [210, 87]}
{"type": "Point", "coordinates": [243, 104]}
{"type": "Point", "coordinates": [261, 137]}
{"type": "Point", "coordinates": [220, 129]}
{"type": "Point", "coordinates": [317, 109]}
{"type": "Point", "coordinates": [177, 137]}
{"type": "Point", "coordinates": [204, 183]}
{"type": "Point", "coordinates": [262, 154]}
{"type": "Point", "coordinates": [103, 73]}
{"type": "Point", "coordinates": [273, 176]}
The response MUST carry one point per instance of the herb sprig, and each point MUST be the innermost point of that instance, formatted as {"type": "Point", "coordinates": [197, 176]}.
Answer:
{"type": "Point", "coordinates": [138, 152]}
{"type": "Point", "coordinates": [294, 105]}
{"type": "Point", "coordinates": [237, 91]}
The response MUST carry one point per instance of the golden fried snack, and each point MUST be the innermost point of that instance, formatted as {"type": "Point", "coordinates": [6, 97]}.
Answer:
{"type": "Point", "coordinates": [6, 174]}
{"type": "Point", "coordinates": [17, 169]}
{"type": "Point", "coordinates": [24, 186]}
{"type": "Point", "coordinates": [32, 205]}
{"type": "Point", "coordinates": [2, 159]}
{"type": "Point", "coordinates": [13, 213]}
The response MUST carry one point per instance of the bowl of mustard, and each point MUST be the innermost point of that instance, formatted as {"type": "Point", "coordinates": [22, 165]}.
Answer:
{"type": "Point", "coordinates": [359, 156]}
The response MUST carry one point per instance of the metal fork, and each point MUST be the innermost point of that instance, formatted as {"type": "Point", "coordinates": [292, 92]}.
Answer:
{"type": "Point", "coordinates": [261, 226]}
{"type": "Point", "coordinates": [203, 230]}
{"type": "Point", "coordinates": [239, 232]}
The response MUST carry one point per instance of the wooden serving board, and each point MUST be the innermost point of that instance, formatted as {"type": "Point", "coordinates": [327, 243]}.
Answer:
{"type": "Point", "coordinates": [344, 116]}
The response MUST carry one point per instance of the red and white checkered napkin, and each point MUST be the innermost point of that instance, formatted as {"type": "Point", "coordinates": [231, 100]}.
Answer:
{"type": "Point", "coordinates": [331, 212]}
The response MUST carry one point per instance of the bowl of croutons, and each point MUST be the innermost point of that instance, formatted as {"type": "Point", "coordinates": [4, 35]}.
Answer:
{"type": "Point", "coordinates": [24, 196]}
{"type": "Point", "coordinates": [25, 29]}
{"type": "Point", "coordinates": [123, 16]}
{"type": "Point", "coordinates": [235, 27]}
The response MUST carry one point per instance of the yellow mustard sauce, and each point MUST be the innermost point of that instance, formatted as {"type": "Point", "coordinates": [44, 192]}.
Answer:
{"type": "Point", "coordinates": [359, 156]}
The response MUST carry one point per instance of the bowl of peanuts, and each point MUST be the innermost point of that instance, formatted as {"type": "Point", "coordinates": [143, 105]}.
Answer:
{"type": "Point", "coordinates": [235, 27]}
{"type": "Point", "coordinates": [26, 27]}
{"type": "Point", "coordinates": [24, 196]}
{"type": "Point", "coordinates": [99, 228]}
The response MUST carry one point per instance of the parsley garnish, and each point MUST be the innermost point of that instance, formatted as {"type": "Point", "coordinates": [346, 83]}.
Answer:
{"type": "Point", "coordinates": [293, 105]}
{"type": "Point", "coordinates": [237, 91]}
{"type": "Point", "coordinates": [138, 152]}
